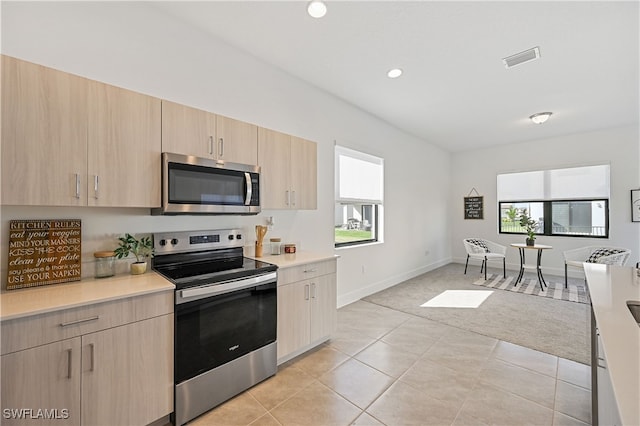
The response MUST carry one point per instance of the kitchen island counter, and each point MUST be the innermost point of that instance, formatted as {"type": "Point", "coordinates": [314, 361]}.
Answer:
{"type": "Point", "coordinates": [38, 300]}
{"type": "Point", "coordinates": [610, 287]}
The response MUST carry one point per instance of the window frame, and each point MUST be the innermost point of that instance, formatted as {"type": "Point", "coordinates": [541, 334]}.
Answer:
{"type": "Point", "coordinates": [377, 204]}
{"type": "Point", "coordinates": [548, 213]}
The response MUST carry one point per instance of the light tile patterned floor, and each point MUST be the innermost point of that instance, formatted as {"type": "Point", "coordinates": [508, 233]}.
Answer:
{"type": "Point", "coordinates": [385, 367]}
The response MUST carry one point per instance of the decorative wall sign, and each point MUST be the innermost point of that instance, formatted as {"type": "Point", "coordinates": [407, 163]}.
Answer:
{"type": "Point", "coordinates": [635, 205]}
{"type": "Point", "coordinates": [473, 206]}
{"type": "Point", "coordinates": [43, 252]}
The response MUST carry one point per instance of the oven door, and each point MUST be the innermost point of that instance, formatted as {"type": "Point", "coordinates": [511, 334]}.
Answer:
{"type": "Point", "coordinates": [216, 324]}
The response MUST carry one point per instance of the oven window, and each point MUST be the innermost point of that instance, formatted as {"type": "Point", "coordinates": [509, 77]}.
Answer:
{"type": "Point", "coordinates": [211, 332]}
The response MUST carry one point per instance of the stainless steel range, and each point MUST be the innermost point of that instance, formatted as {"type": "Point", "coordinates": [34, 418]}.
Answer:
{"type": "Point", "coordinates": [225, 317]}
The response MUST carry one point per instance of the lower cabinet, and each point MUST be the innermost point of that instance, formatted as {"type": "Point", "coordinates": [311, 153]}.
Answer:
{"type": "Point", "coordinates": [121, 375]}
{"type": "Point", "coordinates": [307, 313]}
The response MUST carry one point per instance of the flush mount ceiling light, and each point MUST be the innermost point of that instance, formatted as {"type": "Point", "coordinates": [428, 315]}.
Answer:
{"type": "Point", "coordinates": [540, 117]}
{"type": "Point", "coordinates": [394, 73]}
{"type": "Point", "coordinates": [522, 57]}
{"type": "Point", "coordinates": [317, 8]}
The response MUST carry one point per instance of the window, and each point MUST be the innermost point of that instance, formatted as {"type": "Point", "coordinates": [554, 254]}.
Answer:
{"type": "Point", "coordinates": [358, 207]}
{"type": "Point", "coordinates": [569, 202]}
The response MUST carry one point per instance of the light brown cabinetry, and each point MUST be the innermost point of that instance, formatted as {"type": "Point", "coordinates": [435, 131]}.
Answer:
{"type": "Point", "coordinates": [44, 136]}
{"type": "Point", "coordinates": [307, 312]}
{"type": "Point", "coordinates": [191, 131]}
{"type": "Point", "coordinates": [123, 147]}
{"type": "Point", "coordinates": [70, 141]}
{"type": "Point", "coordinates": [289, 171]}
{"type": "Point", "coordinates": [116, 369]}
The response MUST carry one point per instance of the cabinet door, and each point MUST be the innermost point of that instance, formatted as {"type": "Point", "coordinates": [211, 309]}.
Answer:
{"type": "Point", "coordinates": [188, 131]}
{"type": "Point", "coordinates": [274, 156]}
{"type": "Point", "coordinates": [293, 317]}
{"type": "Point", "coordinates": [323, 306]}
{"type": "Point", "coordinates": [124, 148]}
{"type": "Point", "coordinates": [44, 135]}
{"type": "Point", "coordinates": [237, 141]}
{"type": "Point", "coordinates": [45, 378]}
{"type": "Point", "coordinates": [127, 376]}
{"type": "Point", "coordinates": [304, 174]}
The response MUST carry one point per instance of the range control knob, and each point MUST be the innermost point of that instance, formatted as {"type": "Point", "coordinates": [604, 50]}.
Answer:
{"type": "Point", "coordinates": [230, 237]}
{"type": "Point", "coordinates": [162, 242]}
{"type": "Point", "coordinates": [174, 241]}
{"type": "Point", "coordinates": [239, 237]}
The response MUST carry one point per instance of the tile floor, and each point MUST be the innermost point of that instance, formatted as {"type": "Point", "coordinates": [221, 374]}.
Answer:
{"type": "Point", "coordinates": [385, 367]}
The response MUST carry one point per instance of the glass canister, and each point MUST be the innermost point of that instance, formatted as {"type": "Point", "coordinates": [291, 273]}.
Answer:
{"type": "Point", "coordinates": [275, 245]}
{"type": "Point", "coordinates": [105, 264]}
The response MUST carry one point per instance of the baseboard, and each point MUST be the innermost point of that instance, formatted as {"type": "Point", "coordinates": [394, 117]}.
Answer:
{"type": "Point", "coordinates": [356, 295]}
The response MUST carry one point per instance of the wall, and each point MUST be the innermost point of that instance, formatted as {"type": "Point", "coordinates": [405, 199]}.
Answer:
{"type": "Point", "coordinates": [618, 147]}
{"type": "Point", "coordinates": [136, 46]}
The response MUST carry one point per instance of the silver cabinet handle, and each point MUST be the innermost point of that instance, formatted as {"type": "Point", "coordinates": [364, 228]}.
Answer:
{"type": "Point", "coordinates": [313, 290]}
{"type": "Point", "coordinates": [293, 197]}
{"type": "Point", "coordinates": [306, 271]}
{"type": "Point", "coordinates": [91, 347]}
{"type": "Point", "coordinates": [78, 185]}
{"type": "Point", "coordinates": [80, 321]}
{"type": "Point", "coordinates": [210, 145]}
{"type": "Point", "coordinates": [288, 197]}
{"type": "Point", "coordinates": [69, 363]}
{"type": "Point", "coordinates": [221, 148]}
{"type": "Point", "coordinates": [95, 187]}
{"type": "Point", "coordinates": [306, 292]}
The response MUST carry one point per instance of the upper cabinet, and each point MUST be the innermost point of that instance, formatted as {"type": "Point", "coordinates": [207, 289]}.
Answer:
{"type": "Point", "coordinates": [44, 136]}
{"type": "Point", "coordinates": [289, 171]}
{"type": "Point", "coordinates": [70, 141]}
{"type": "Point", "coordinates": [123, 147]}
{"type": "Point", "coordinates": [191, 131]}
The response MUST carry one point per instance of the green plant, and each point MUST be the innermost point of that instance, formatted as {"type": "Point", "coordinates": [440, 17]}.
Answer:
{"type": "Point", "coordinates": [512, 213]}
{"type": "Point", "coordinates": [140, 248]}
{"type": "Point", "coordinates": [528, 224]}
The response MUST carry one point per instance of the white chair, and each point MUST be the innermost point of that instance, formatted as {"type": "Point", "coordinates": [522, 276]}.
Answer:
{"type": "Point", "coordinates": [484, 250]}
{"type": "Point", "coordinates": [594, 254]}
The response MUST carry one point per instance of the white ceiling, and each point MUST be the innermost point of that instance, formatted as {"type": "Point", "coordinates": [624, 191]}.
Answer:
{"type": "Point", "coordinates": [455, 91]}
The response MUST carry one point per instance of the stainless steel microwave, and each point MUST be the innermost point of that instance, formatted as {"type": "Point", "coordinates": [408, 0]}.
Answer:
{"type": "Point", "coordinates": [194, 185]}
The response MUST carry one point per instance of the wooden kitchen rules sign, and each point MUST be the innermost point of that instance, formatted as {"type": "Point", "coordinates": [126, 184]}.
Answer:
{"type": "Point", "coordinates": [43, 252]}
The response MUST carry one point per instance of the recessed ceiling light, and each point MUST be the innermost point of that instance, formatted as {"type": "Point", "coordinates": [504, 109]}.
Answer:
{"type": "Point", "coordinates": [540, 117]}
{"type": "Point", "coordinates": [394, 73]}
{"type": "Point", "coordinates": [317, 8]}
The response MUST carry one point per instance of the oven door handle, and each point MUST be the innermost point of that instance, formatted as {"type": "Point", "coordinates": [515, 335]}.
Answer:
{"type": "Point", "coordinates": [227, 287]}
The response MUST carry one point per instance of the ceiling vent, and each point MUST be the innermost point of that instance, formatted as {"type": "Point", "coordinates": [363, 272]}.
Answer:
{"type": "Point", "coordinates": [522, 57]}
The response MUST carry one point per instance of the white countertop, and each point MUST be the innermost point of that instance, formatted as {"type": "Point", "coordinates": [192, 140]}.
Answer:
{"type": "Point", "coordinates": [610, 287]}
{"type": "Point", "coordinates": [37, 300]}
{"type": "Point", "coordinates": [295, 259]}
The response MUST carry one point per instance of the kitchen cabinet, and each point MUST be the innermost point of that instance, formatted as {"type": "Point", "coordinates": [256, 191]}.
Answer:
{"type": "Point", "coordinates": [191, 131]}
{"type": "Point", "coordinates": [70, 141]}
{"type": "Point", "coordinates": [289, 171]}
{"type": "Point", "coordinates": [605, 407]}
{"type": "Point", "coordinates": [123, 147]}
{"type": "Point", "coordinates": [44, 136]}
{"type": "Point", "coordinates": [307, 313]}
{"type": "Point", "coordinates": [105, 364]}
{"type": "Point", "coordinates": [44, 377]}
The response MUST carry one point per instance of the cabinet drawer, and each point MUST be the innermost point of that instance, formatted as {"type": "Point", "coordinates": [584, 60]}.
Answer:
{"type": "Point", "coordinates": [35, 330]}
{"type": "Point", "coordinates": [306, 271]}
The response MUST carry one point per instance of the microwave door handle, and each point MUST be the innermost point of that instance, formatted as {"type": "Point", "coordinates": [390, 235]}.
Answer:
{"type": "Point", "coordinates": [247, 178]}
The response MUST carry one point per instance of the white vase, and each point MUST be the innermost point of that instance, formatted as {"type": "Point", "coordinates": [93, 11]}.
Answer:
{"type": "Point", "coordinates": [138, 268]}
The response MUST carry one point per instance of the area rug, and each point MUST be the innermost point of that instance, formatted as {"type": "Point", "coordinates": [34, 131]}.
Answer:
{"type": "Point", "coordinates": [555, 290]}
{"type": "Point", "coordinates": [545, 324]}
